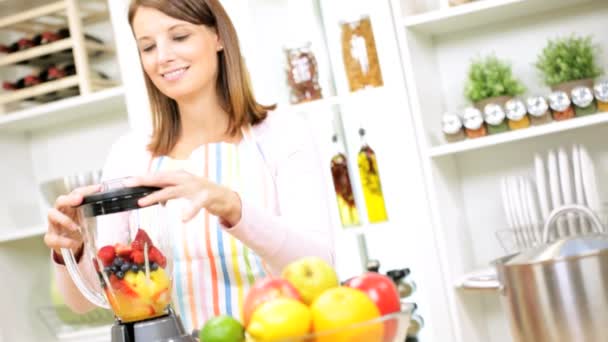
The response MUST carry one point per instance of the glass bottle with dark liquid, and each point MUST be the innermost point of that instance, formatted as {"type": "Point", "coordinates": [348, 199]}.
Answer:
{"type": "Point", "coordinates": [370, 182]}
{"type": "Point", "coordinates": [349, 216]}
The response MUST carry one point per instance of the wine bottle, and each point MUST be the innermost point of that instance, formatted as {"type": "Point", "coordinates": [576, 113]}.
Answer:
{"type": "Point", "coordinates": [24, 82]}
{"type": "Point", "coordinates": [370, 182]}
{"type": "Point", "coordinates": [349, 216]}
{"type": "Point", "coordinates": [51, 73]}
{"type": "Point", "coordinates": [45, 37]}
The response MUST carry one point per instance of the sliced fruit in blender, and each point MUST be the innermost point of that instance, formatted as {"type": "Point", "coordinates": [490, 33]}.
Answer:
{"type": "Point", "coordinates": [106, 255]}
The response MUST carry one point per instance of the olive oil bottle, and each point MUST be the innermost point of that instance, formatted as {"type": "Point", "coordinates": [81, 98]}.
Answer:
{"type": "Point", "coordinates": [370, 182]}
{"type": "Point", "coordinates": [349, 216]}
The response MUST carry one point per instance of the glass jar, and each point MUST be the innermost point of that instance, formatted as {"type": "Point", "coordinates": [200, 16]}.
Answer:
{"type": "Point", "coordinates": [584, 103]}
{"type": "Point", "coordinates": [539, 111]}
{"type": "Point", "coordinates": [370, 182]}
{"type": "Point", "coordinates": [349, 216]}
{"type": "Point", "coordinates": [302, 74]}
{"type": "Point", "coordinates": [601, 95]}
{"type": "Point", "coordinates": [359, 54]}
{"type": "Point", "coordinates": [561, 106]}
{"type": "Point", "coordinates": [452, 129]}
{"type": "Point", "coordinates": [494, 116]}
{"type": "Point", "coordinates": [517, 114]}
{"type": "Point", "coordinates": [473, 123]}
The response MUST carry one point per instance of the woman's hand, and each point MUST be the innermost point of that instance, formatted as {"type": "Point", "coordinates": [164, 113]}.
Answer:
{"type": "Point", "coordinates": [216, 199]}
{"type": "Point", "coordinates": [63, 225]}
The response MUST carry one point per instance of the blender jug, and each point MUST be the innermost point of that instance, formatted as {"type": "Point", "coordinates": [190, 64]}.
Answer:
{"type": "Point", "coordinates": [129, 248]}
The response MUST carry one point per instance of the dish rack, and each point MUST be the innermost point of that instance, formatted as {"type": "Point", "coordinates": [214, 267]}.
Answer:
{"type": "Point", "coordinates": [67, 325]}
{"type": "Point", "coordinates": [76, 49]}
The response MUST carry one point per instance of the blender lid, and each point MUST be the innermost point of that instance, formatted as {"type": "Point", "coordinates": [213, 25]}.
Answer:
{"type": "Point", "coordinates": [575, 246]}
{"type": "Point", "coordinates": [115, 200]}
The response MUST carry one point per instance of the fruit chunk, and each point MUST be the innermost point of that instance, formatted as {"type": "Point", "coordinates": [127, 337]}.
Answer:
{"type": "Point", "coordinates": [107, 254]}
{"type": "Point", "coordinates": [122, 250]}
{"type": "Point", "coordinates": [141, 239]}
{"type": "Point", "coordinates": [157, 257]}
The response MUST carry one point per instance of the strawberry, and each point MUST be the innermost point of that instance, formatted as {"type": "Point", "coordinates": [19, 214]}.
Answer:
{"type": "Point", "coordinates": [157, 257]}
{"type": "Point", "coordinates": [141, 238]}
{"type": "Point", "coordinates": [123, 251]}
{"type": "Point", "coordinates": [137, 256]}
{"type": "Point", "coordinates": [106, 254]}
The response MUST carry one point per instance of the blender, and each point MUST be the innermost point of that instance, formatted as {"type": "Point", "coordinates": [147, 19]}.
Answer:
{"type": "Point", "coordinates": [129, 262]}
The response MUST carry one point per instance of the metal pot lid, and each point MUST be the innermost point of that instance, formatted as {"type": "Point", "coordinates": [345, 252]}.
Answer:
{"type": "Point", "coordinates": [576, 246]}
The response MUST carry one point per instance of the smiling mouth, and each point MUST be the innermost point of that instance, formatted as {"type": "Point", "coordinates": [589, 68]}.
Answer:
{"type": "Point", "coordinates": [175, 74]}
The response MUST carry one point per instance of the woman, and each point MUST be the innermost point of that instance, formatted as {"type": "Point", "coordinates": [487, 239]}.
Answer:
{"type": "Point", "coordinates": [243, 182]}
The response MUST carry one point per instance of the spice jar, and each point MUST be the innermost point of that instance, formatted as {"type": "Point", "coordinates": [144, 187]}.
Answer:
{"type": "Point", "coordinates": [583, 100]}
{"type": "Point", "coordinates": [517, 114]}
{"type": "Point", "coordinates": [494, 116]}
{"type": "Point", "coordinates": [302, 74]}
{"type": "Point", "coordinates": [473, 123]}
{"type": "Point", "coordinates": [451, 126]}
{"type": "Point", "coordinates": [539, 111]}
{"type": "Point", "coordinates": [601, 95]}
{"type": "Point", "coordinates": [560, 104]}
{"type": "Point", "coordinates": [360, 55]}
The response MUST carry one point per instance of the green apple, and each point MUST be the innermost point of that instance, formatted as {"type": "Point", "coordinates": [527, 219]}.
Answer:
{"type": "Point", "coordinates": [311, 276]}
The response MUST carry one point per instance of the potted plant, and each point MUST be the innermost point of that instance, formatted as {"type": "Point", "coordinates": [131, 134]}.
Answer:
{"type": "Point", "coordinates": [568, 62]}
{"type": "Point", "coordinates": [491, 80]}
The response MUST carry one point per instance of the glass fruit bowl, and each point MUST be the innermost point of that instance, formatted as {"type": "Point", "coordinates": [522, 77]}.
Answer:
{"type": "Point", "coordinates": [388, 328]}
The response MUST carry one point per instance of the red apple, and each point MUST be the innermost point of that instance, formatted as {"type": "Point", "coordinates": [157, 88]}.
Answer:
{"type": "Point", "coordinates": [265, 290]}
{"type": "Point", "coordinates": [383, 292]}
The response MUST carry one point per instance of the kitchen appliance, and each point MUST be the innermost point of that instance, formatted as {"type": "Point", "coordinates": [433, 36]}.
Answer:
{"type": "Point", "coordinates": [129, 248]}
{"type": "Point", "coordinates": [53, 188]}
{"type": "Point", "coordinates": [558, 292]}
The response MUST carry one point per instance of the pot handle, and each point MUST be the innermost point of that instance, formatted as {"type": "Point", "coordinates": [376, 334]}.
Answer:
{"type": "Point", "coordinates": [581, 209]}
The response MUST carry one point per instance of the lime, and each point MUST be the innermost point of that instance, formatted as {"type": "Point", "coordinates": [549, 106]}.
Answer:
{"type": "Point", "coordinates": [222, 328]}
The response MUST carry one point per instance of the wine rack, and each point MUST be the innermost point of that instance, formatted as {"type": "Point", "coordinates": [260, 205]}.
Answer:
{"type": "Point", "coordinates": [74, 47]}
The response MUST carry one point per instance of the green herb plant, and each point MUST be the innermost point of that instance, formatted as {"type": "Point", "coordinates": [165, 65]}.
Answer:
{"type": "Point", "coordinates": [490, 77]}
{"type": "Point", "coordinates": [568, 59]}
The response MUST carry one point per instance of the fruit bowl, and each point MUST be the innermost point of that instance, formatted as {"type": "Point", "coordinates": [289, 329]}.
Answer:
{"type": "Point", "coordinates": [388, 328]}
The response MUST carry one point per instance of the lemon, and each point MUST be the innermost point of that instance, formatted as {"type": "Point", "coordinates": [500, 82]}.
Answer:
{"type": "Point", "coordinates": [278, 319]}
{"type": "Point", "coordinates": [222, 328]}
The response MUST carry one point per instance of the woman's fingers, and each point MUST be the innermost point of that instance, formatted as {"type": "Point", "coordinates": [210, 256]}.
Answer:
{"type": "Point", "coordinates": [159, 179]}
{"type": "Point", "coordinates": [57, 219]}
{"type": "Point", "coordinates": [160, 196]}
{"type": "Point", "coordinates": [56, 242]}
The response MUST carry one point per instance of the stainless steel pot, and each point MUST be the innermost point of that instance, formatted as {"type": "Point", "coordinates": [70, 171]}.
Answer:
{"type": "Point", "coordinates": [558, 292]}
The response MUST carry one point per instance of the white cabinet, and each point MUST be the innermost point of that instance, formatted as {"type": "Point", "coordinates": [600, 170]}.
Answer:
{"type": "Point", "coordinates": [463, 179]}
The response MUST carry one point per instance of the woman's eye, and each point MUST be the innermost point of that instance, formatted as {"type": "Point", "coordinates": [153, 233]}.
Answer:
{"type": "Point", "coordinates": [181, 38]}
{"type": "Point", "coordinates": [147, 48]}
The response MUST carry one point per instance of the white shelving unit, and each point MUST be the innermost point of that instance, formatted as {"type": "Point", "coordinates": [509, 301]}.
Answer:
{"type": "Point", "coordinates": [462, 179]}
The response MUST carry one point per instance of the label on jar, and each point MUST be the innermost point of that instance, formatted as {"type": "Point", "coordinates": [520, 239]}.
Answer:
{"type": "Point", "coordinates": [494, 114]}
{"type": "Point", "coordinates": [516, 109]}
{"type": "Point", "coordinates": [582, 96]}
{"type": "Point", "coordinates": [358, 50]}
{"type": "Point", "coordinates": [300, 69]}
{"type": "Point", "coordinates": [537, 106]}
{"type": "Point", "coordinates": [472, 117]}
{"type": "Point", "coordinates": [451, 124]}
{"type": "Point", "coordinates": [559, 101]}
{"type": "Point", "coordinates": [601, 91]}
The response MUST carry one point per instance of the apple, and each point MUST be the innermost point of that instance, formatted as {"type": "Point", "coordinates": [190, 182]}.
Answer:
{"type": "Point", "coordinates": [383, 292]}
{"type": "Point", "coordinates": [339, 308]}
{"type": "Point", "coordinates": [311, 276]}
{"type": "Point", "coordinates": [265, 290]}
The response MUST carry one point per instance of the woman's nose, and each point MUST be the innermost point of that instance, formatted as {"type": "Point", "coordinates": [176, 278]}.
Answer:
{"type": "Point", "coordinates": [164, 53]}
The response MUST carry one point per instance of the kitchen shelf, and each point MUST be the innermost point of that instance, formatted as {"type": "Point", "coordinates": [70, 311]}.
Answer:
{"type": "Point", "coordinates": [104, 102]}
{"type": "Point", "coordinates": [19, 234]}
{"type": "Point", "coordinates": [43, 88]}
{"type": "Point", "coordinates": [481, 13]}
{"type": "Point", "coordinates": [47, 49]}
{"type": "Point", "coordinates": [512, 136]}
{"type": "Point", "coordinates": [325, 103]}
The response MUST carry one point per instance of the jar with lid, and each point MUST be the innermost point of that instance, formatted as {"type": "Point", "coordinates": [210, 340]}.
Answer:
{"type": "Point", "coordinates": [583, 100]}
{"type": "Point", "coordinates": [539, 111]}
{"type": "Point", "coordinates": [451, 126]}
{"type": "Point", "coordinates": [302, 74]}
{"type": "Point", "coordinates": [561, 106]}
{"type": "Point", "coordinates": [494, 116]}
{"type": "Point", "coordinates": [601, 95]}
{"type": "Point", "coordinates": [517, 114]}
{"type": "Point", "coordinates": [359, 54]}
{"type": "Point", "coordinates": [473, 123]}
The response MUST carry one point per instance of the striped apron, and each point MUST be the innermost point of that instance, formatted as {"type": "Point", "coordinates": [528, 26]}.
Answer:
{"type": "Point", "coordinates": [212, 270]}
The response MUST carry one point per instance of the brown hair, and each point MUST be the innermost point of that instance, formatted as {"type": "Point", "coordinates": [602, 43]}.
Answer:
{"type": "Point", "coordinates": [233, 84]}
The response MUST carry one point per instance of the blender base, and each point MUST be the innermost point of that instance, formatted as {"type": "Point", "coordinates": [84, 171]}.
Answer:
{"type": "Point", "coordinates": [162, 329]}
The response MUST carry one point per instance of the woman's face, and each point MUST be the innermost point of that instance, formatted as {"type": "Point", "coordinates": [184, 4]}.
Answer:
{"type": "Point", "coordinates": [179, 57]}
